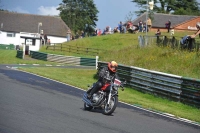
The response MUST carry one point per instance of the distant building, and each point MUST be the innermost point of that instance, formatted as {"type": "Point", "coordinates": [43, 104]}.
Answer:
{"type": "Point", "coordinates": [19, 29]}
{"type": "Point", "coordinates": [178, 22]}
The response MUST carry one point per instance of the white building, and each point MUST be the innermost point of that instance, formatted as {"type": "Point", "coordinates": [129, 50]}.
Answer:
{"type": "Point", "coordinates": [27, 29]}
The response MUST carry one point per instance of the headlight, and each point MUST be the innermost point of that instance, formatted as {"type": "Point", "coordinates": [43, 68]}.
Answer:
{"type": "Point", "coordinates": [115, 88]}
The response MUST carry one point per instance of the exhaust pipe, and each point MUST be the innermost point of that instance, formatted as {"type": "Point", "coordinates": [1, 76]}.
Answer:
{"type": "Point", "coordinates": [87, 101]}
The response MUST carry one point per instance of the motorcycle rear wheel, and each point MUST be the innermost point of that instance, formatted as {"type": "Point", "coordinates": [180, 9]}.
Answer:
{"type": "Point", "coordinates": [110, 108]}
{"type": "Point", "coordinates": [87, 107]}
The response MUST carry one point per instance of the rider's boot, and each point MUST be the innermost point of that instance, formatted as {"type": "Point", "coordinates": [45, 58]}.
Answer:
{"type": "Point", "coordinates": [94, 89]}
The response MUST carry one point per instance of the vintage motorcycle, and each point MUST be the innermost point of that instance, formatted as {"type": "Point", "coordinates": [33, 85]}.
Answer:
{"type": "Point", "coordinates": [106, 98]}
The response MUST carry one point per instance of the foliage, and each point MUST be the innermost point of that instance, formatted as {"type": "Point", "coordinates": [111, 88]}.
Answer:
{"type": "Point", "coordinates": [79, 15]}
{"type": "Point", "coordinates": [129, 16]}
{"type": "Point", "coordinates": [179, 7]}
{"type": "Point", "coordinates": [188, 7]}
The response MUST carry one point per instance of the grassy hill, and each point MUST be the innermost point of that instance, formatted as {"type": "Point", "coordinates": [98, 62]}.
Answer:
{"type": "Point", "coordinates": [124, 49]}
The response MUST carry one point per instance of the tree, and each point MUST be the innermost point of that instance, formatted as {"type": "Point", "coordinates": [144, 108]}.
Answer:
{"type": "Point", "coordinates": [181, 7]}
{"type": "Point", "coordinates": [1, 6]}
{"type": "Point", "coordinates": [79, 15]}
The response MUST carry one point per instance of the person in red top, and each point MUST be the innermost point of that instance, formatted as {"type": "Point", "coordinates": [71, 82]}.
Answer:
{"type": "Point", "coordinates": [99, 33]}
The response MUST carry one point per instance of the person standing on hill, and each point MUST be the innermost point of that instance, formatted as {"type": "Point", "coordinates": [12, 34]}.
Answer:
{"type": "Point", "coordinates": [68, 35]}
{"type": "Point", "coordinates": [149, 24]}
{"type": "Point", "coordinates": [168, 25]}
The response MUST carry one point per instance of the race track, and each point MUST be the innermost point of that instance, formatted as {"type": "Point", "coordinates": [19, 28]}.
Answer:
{"type": "Point", "coordinates": [33, 104]}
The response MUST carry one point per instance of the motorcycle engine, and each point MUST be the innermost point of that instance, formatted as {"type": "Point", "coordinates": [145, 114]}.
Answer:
{"type": "Point", "coordinates": [95, 98]}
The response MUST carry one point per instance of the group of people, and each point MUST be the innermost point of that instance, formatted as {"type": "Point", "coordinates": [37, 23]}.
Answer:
{"type": "Point", "coordinates": [44, 39]}
{"type": "Point", "coordinates": [145, 26]}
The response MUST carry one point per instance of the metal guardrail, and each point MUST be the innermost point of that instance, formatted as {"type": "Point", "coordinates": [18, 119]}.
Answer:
{"type": "Point", "coordinates": [10, 46]}
{"type": "Point", "coordinates": [20, 54]}
{"type": "Point", "coordinates": [177, 88]}
{"type": "Point", "coordinates": [72, 60]}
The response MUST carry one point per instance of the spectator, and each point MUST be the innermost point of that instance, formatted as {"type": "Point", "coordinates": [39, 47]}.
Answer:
{"type": "Point", "coordinates": [129, 25]}
{"type": "Point", "coordinates": [68, 35]}
{"type": "Point", "coordinates": [197, 32]}
{"type": "Point", "coordinates": [188, 40]}
{"type": "Point", "coordinates": [120, 27]}
{"type": "Point", "coordinates": [99, 32]}
{"type": "Point", "coordinates": [172, 32]}
{"type": "Point", "coordinates": [140, 24]}
{"type": "Point", "coordinates": [110, 30]}
{"type": "Point", "coordinates": [133, 29]}
{"type": "Point", "coordinates": [149, 24]}
{"type": "Point", "coordinates": [124, 27]}
{"type": "Point", "coordinates": [82, 34]}
{"type": "Point", "coordinates": [115, 30]}
{"type": "Point", "coordinates": [45, 38]}
{"type": "Point", "coordinates": [144, 27]}
{"type": "Point", "coordinates": [168, 25]}
{"type": "Point", "coordinates": [158, 32]}
{"type": "Point", "coordinates": [48, 42]}
{"type": "Point", "coordinates": [42, 39]}
{"type": "Point", "coordinates": [96, 31]}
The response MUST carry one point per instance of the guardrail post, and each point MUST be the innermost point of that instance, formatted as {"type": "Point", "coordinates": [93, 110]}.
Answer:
{"type": "Point", "coordinates": [23, 52]}
{"type": "Point", "coordinates": [97, 58]}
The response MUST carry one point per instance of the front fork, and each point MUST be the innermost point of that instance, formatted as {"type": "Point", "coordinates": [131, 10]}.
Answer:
{"type": "Point", "coordinates": [109, 96]}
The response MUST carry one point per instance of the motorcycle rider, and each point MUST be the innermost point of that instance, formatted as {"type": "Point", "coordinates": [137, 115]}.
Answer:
{"type": "Point", "coordinates": [110, 71]}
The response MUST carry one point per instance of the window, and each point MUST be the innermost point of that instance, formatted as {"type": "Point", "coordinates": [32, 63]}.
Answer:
{"type": "Point", "coordinates": [10, 34]}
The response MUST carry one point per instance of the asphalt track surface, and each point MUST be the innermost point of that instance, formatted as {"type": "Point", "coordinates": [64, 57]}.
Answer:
{"type": "Point", "coordinates": [34, 104]}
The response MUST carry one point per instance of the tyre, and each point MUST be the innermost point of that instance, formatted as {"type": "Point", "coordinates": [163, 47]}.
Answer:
{"type": "Point", "coordinates": [87, 107]}
{"type": "Point", "coordinates": [110, 108]}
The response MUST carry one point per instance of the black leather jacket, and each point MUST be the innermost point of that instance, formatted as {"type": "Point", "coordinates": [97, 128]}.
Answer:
{"type": "Point", "coordinates": [106, 72]}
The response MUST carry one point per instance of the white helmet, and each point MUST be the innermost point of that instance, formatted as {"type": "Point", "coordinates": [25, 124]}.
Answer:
{"type": "Point", "coordinates": [198, 25]}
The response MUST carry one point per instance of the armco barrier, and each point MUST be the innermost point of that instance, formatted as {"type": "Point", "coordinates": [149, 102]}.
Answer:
{"type": "Point", "coordinates": [10, 46]}
{"type": "Point", "coordinates": [190, 91]}
{"type": "Point", "coordinates": [19, 54]}
{"type": "Point", "coordinates": [169, 86]}
{"type": "Point", "coordinates": [72, 60]}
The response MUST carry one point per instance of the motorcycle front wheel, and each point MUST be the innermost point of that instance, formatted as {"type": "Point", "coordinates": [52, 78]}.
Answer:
{"type": "Point", "coordinates": [110, 108]}
{"type": "Point", "coordinates": [87, 107]}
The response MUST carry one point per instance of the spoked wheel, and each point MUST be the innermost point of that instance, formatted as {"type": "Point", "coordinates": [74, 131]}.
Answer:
{"type": "Point", "coordinates": [87, 107]}
{"type": "Point", "coordinates": [110, 108]}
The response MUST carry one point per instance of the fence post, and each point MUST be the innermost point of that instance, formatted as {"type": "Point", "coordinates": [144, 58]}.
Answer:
{"type": "Point", "coordinates": [86, 50]}
{"type": "Point", "coordinates": [23, 51]}
{"type": "Point", "coordinates": [97, 58]}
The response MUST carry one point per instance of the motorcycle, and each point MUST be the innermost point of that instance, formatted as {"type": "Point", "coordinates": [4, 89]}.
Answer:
{"type": "Point", "coordinates": [106, 98]}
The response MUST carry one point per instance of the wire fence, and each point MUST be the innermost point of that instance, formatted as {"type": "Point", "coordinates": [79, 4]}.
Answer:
{"type": "Point", "coordinates": [169, 41]}
{"type": "Point", "coordinates": [73, 49]}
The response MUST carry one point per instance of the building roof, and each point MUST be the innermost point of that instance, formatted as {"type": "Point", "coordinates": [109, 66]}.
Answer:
{"type": "Point", "coordinates": [18, 22]}
{"type": "Point", "coordinates": [160, 19]}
